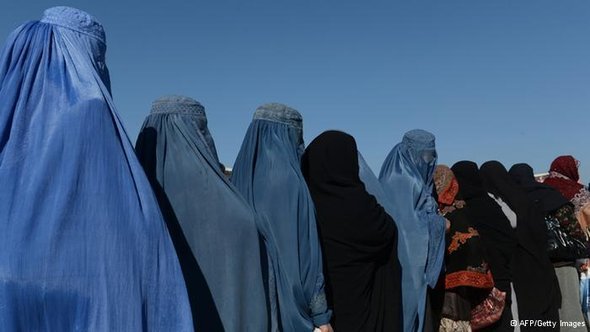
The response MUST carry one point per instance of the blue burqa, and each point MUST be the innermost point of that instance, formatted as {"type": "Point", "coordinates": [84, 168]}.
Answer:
{"type": "Point", "coordinates": [213, 227]}
{"type": "Point", "coordinates": [407, 180]}
{"type": "Point", "coordinates": [268, 173]}
{"type": "Point", "coordinates": [371, 182]}
{"type": "Point", "coordinates": [83, 246]}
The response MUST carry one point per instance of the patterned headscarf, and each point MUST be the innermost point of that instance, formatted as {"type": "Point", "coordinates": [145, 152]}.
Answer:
{"type": "Point", "coordinates": [447, 189]}
{"type": "Point", "coordinates": [564, 176]}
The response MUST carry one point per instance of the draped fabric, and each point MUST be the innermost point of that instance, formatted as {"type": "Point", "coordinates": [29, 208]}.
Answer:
{"type": "Point", "coordinates": [530, 265]}
{"type": "Point", "coordinates": [406, 177]}
{"type": "Point", "coordinates": [555, 205]}
{"type": "Point", "coordinates": [549, 198]}
{"type": "Point", "coordinates": [371, 182]}
{"type": "Point", "coordinates": [498, 182]}
{"type": "Point", "coordinates": [497, 236]}
{"type": "Point", "coordinates": [267, 172]}
{"type": "Point", "coordinates": [83, 246]}
{"type": "Point", "coordinates": [465, 262]}
{"type": "Point", "coordinates": [468, 279]}
{"type": "Point", "coordinates": [564, 176]}
{"type": "Point", "coordinates": [213, 227]}
{"type": "Point", "coordinates": [358, 239]}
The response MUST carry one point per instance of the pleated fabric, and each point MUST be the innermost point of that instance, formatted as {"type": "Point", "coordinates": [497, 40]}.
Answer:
{"type": "Point", "coordinates": [83, 246]}
{"type": "Point", "coordinates": [407, 180]}
{"type": "Point", "coordinates": [213, 228]}
{"type": "Point", "coordinates": [267, 172]}
{"type": "Point", "coordinates": [359, 239]}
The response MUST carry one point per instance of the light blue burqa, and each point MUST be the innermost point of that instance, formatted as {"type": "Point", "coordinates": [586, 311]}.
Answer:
{"type": "Point", "coordinates": [83, 246]}
{"type": "Point", "coordinates": [213, 227]}
{"type": "Point", "coordinates": [407, 180]}
{"type": "Point", "coordinates": [372, 184]}
{"type": "Point", "coordinates": [268, 173]}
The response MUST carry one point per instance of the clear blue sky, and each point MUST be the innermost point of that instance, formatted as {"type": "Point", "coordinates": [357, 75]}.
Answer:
{"type": "Point", "coordinates": [494, 79]}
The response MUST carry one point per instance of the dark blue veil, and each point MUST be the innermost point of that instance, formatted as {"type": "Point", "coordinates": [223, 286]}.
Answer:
{"type": "Point", "coordinates": [407, 180]}
{"type": "Point", "coordinates": [213, 227]}
{"type": "Point", "coordinates": [83, 246]}
{"type": "Point", "coordinates": [268, 173]}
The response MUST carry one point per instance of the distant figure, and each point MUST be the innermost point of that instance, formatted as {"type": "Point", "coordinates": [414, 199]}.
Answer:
{"type": "Point", "coordinates": [407, 180]}
{"type": "Point", "coordinates": [359, 239]}
{"type": "Point", "coordinates": [226, 170]}
{"type": "Point", "coordinates": [267, 172]}
{"type": "Point", "coordinates": [83, 246]}
{"type": "Point", "coordinates": [214, 229]}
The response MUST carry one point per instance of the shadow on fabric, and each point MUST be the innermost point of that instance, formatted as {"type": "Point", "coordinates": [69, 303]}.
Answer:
{"type": "Point", "coordinates": [205, 315]}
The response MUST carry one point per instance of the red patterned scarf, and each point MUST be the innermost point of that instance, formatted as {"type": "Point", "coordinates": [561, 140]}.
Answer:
{"type": "Point", "coordinates": [564, 176]}
{"type": "Point", "coordinates": [447, 189]}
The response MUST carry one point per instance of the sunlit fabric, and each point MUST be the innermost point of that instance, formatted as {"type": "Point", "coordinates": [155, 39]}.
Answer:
{"type": "Point", "coordinates": [268, 173]}
{"type": "Point", "coordinates": [371, 182]}
{"type": "Point", "coordinates": [407, 180]}
{"type": "Point", "coordinates": [83, 246]}
{"type": "Point", "coordinates": [212, 226]}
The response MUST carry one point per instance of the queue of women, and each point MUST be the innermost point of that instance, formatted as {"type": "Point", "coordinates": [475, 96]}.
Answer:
{"type": "Point", "coordinates": [99, 235]}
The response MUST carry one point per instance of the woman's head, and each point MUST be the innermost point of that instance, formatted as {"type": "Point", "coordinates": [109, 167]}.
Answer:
{"type": "Point", "coordinates": [446, 185]}
{"type": "Point", "coordinates": [567, 166]}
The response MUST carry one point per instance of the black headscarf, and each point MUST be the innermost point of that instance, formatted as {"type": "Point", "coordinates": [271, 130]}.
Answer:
{"type": "Point", "coordinates": [359, 239]}
{"type": "Point", "coordinates": [497, 182]}
{"type": "Point", "coordinates": [470, 184]}
{"type": "Point", "coordinates": [498, 238]}
{"type": "Point", "coordinates": [549, 198]}
{"type": "Point", "coordinates": [484, 213]}
{"type": "Point", "coordinates": [533, 274]}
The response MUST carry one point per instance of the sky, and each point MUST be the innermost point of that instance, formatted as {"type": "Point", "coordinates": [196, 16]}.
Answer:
{"type": "Point", "coordinates": [505, 80]}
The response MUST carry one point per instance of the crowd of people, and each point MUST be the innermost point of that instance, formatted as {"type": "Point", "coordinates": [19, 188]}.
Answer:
{"type": "Point", "coordinates": [101, 235]}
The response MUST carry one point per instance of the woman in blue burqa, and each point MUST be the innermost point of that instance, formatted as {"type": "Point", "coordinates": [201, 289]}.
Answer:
{"type": "Point", "coordinates": [212, 226]}
{"type": "Point", "coordinates": [268, 173]}
{"type": "Point", "coordinates": [83, 246]}
{"type": "Point", "coordinates": [407, 180]}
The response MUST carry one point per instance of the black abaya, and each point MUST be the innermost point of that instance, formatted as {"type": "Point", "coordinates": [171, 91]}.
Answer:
{"type": "Point", "coordinates": [533, 275]}
{"type": "Point", "coordinates": [498, 238]}
{"type": "Point", "coordinates": [359, 239]}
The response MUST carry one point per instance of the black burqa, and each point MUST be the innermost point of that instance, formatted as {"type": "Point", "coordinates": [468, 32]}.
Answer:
{"type": "Point", "coordinates": [553, 203]}
{"type": "Point", "coordinates": [359, 239]}
{"type": "Point", "coordinates": [549, 198]}
{"type": "Point", "coordinates": [533, 275]}
{"type": "Point", "coordinates": [497, 236]}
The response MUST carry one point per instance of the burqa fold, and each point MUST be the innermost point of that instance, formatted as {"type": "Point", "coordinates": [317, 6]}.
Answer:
{"type": "Point", "coordinates": [267, 172]}
{"type": "Point", "coordinates": [213, 227]}
{"type": "Point", "coordinates": [83, 246]}
{"type": "Point", "coordinates": [497, 236]}
{"type": "Point", "coordinates": [531, 269]}
{"type": "Point", "coordinates": [549, 197]}
{"type": "Point", "coordinates": [358, 238]}
{"type": "Point", "coordinates": [407, 180]}
{"type": "Point", "coordinates": [371, 182]}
